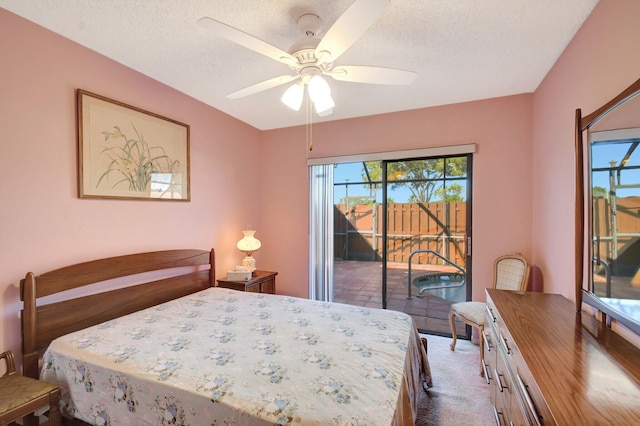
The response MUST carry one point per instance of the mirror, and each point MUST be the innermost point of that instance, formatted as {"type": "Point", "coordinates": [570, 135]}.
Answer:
{"type": "Point", "coordinates": [608, 209]}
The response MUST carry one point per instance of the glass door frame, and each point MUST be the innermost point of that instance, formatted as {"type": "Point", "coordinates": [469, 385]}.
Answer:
{"type": "Point", "coordinates": [322, 260]}
{"type": "Point", "coordinates": [469, 223]}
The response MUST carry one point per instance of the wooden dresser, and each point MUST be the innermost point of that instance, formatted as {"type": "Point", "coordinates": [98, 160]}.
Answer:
{"type": "Point", "coordinates": [548, 365]}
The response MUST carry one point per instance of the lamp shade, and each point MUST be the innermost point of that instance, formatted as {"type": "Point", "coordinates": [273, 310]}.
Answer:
{"type": "Point", "coordinates": [324, 106]}
{"type": "Point", "coordinates": [293, 96]}
{"type": "Point", "coordinates": [319, 89]}
{"type": "Point", "coordinates": [249, 243]}
{"type": "Point", "coordinates": [320, 94]}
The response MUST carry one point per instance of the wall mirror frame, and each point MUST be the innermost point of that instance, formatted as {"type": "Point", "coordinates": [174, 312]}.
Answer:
{"type": "Point", "coordinates": [591, 148]}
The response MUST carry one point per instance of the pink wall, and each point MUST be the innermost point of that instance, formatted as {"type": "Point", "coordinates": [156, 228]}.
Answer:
{"type": "Point", "coordinates": [599, 63]}
{"type": "Point", "coordinates": [43, 225]}
{"type": "Point", "coordinates": [500, 128]}
{"type": "Point", "coordinates": [285, 230]}
{"type": "Point", "coordinates": [524, 161]}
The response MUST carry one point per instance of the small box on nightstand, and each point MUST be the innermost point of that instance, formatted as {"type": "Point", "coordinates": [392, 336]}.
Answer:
{"type": "Point", "coordinates": [238, 275]}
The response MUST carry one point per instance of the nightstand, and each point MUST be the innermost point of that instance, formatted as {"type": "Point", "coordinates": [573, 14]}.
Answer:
{"type": "Point", "coordinates": [262, 282]}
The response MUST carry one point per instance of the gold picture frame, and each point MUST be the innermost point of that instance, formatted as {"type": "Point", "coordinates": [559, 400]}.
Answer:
{"type": "Point", "coordinates": [126, 152]}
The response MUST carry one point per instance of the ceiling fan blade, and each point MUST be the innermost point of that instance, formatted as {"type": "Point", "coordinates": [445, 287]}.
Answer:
{"type": "Point", "coordinates": [372, 75]}
{"type": "Point", "coordinates": [263, 85]}
{"type": "Point", "coordinates": [246, 40]}
{"type": "Point", "coordinates": [350, 26]}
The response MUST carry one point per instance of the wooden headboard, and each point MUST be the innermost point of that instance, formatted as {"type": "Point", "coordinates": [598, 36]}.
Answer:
{"type": "Point", "coordinates": [43, 323]}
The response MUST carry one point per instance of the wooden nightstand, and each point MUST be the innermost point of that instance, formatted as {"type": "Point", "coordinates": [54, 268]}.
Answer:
{"type": "Point", "coordinates": [262, 282]}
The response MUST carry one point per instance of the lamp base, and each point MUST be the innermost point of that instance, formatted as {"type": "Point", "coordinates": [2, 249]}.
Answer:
{"type": "Point", "coordinates": [249, 264]}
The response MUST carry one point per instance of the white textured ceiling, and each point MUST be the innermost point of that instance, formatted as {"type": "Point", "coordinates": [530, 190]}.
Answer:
{"type": "Point", "coordinates": [462, 50]}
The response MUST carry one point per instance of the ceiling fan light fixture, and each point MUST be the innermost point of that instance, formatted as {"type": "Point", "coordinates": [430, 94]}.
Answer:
{"type": "Point", "coordinates": [320, 94]}
{"type": "Point", "coordinates": [318, 89]}
{"type": "Point", "coordinates": [324, 105]}
{"type": "Point", "coordinates": [293, 96]}
{"type": "Point", "coordinates": [326, 112]}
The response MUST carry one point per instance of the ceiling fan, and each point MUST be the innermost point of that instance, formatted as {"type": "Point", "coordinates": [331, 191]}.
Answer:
{"type": "Point", "coordinates": [311, 57]}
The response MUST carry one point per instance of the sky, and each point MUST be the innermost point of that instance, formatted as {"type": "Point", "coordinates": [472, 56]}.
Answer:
{"type": "Point", "coordinates": [352, 172]}
{"type": "Point", "coordinates": [603, 153]}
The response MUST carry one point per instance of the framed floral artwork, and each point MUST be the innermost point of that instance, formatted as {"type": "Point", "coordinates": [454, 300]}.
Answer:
{"type": "Point", "coordinates": [129, 153]}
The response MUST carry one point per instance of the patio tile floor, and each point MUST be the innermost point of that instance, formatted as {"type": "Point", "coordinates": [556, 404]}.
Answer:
{"type": "Point", "coordinates": [360, 283]}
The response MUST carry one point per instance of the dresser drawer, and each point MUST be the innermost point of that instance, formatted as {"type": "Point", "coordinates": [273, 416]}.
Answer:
{"type": "Point", "coordinates": [508, 385]}
{"type": "Point", "coordinates": [562, 367]}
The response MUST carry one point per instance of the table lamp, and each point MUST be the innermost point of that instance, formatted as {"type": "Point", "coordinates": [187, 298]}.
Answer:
{"type": "Point", "coordinates": [249, 244]}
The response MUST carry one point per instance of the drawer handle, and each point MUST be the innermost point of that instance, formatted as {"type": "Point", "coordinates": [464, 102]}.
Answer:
{"type": "Point", "coordinates": [501, 387]}
{"type": "Point", "coordinates": [490, 312]}
{"type": "Point", "coordinates": [497, 415]}
{"type": "Point", "coordinates": [506, 345]}
{"type": "Point", "coordinates": [487, 342]}
{"type": "Point", "coordinates": [529, 401]}
{"type": "Point", "coordinates": [485, 369]}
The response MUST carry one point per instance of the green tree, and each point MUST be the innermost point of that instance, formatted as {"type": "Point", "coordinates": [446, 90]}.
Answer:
{"type": "Point", "coordinates": [599, 192]}
{"type": "Point", "coordinates": [421, 177]}
{"type": "Point", "coordinates": [357, 200]}
{"type": "Point", "coordinates": [454, 193]}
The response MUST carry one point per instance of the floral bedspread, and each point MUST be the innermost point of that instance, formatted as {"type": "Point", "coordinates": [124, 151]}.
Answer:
{"type": "Point", "coordinates": [222, 357]}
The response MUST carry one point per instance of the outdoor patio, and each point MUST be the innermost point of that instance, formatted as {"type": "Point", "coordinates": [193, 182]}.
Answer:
{"type": "Point", "coordinates": [360, 283]}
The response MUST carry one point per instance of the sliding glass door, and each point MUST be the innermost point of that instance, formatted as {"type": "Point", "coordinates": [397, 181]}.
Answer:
{"type": "Point", "coordinates": [401, 234]}
{"type": "Point", "coordinates": [427, 235]}
{"type": "Point", "coordinates": [357, 235]}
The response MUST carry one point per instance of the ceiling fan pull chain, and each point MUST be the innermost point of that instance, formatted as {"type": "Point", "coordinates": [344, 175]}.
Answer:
{"type": "Point", "coordinates": [310, 130]}
{"type": "Point", "coordinates": [309, 125]}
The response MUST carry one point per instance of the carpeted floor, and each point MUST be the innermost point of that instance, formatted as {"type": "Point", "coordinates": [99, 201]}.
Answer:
{"type": "Point", "coordinates": [459, 396]}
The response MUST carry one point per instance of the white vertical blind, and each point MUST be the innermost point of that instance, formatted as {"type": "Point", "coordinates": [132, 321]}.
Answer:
{"type": "Point", "coordinates": [321, 232]}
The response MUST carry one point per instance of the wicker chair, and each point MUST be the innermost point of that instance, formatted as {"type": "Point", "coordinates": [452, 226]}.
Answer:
{"type": "Point", "coordinates": [511, 272]}
{"type": "Point", "coordinates": [20, 396]}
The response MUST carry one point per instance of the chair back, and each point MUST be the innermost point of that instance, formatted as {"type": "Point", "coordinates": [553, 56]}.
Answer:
{"type": "Point", "coordinates": [511, 272]}
{"type": "Point", "coordinates": [10, 363]}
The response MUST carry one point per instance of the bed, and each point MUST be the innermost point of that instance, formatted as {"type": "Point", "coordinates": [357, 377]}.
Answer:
{"type": "Point", "coordinates": [170, 348]}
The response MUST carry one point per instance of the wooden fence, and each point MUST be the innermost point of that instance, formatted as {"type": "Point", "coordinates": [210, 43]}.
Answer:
{"type": "Point", "coordinates": [441, 227]}
{"type": "Point", "coordinates": [411, 226]}
{"type": "Point", "coordinates": [622, 247]}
